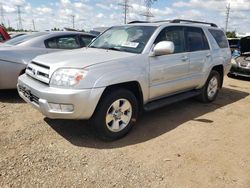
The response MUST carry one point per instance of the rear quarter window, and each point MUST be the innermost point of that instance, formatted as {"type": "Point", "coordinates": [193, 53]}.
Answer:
{"type": "Point", "coordinates": [219, 37]}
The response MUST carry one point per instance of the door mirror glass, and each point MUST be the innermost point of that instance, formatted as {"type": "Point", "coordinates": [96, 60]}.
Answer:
{"type": "Point", "coordinates": [163, 48]}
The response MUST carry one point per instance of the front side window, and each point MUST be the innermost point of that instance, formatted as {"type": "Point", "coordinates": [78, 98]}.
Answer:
{"type": "Point", "coordinates": [174, 34]}
{"type": "Point", "coordinates": [219, 37]}
{"type": "Point", "coordinates": [63, 42]}
{"type": "Point", "coordinates": [196, 39]}
{"type": "Point", "coordinates": [126, 38]}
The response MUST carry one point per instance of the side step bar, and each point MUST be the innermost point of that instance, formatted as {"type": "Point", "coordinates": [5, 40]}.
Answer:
{"type": "Point", "coordinates": [170, 100]}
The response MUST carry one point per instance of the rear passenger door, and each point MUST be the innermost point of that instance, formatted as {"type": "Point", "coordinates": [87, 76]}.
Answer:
{"type": "Point", "coordinates": [199, 53]}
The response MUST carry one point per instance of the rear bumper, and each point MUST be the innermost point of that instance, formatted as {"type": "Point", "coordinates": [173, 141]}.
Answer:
{"type": "Point", "coordinates": [42, 97]}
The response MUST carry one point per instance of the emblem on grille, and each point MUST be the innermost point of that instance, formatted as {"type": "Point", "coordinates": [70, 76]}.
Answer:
{"type": "Point", "coordinates": [34, 72]}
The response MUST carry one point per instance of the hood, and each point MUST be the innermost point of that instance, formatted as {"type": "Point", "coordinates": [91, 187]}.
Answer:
{"type": "Point", "coordinates": [245, 44]}
{"type": "Point", "coordinates": [80, 58]}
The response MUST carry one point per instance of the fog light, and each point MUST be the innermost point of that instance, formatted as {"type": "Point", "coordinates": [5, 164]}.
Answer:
{"type": "Point", "coordinates": [67, 108]}
{"type": "Point", "coordinates": [61, 107]}
{"type": "Point", "coordinates": [55, 107]}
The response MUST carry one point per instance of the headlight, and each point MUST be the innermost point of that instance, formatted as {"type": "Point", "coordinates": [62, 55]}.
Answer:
{"type": "Point", "coordinates": [233, 61]}
{"type": "Point", "coordinates": [67, 77]}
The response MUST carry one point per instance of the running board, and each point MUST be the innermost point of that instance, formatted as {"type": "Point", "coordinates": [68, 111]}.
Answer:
{"type": "Point", "coordinates": [170, 100]}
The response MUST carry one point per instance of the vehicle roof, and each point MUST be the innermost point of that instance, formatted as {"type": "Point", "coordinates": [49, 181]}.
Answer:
{"type": "Point", "coordinates": [59, 33]}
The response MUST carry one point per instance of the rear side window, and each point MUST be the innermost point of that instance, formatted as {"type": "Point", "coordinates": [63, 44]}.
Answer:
{"type": "Point", "coordinates": [63, 42]}
{"type": "Point", "coordinates": [220, 38]}
{"type": "Point", "coordinates": [196, 39]}
{"type": "Point", "coordinates": [85, 39]}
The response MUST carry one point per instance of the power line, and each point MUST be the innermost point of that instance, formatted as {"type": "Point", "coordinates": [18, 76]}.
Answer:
{"type": "Point", "coordinates": [34, 26]}
{"type": "Point", "coordinates": [125, 5]}
{"type": "Point", "coordinates": [19, 17]}
{"type": "Point", "coordinates": [227, 16]}
{"type": "Point", "coordinates": [2, 13]}
{"type": "Point", "coordinates": [73, 21]}
{"type": "Point", "coordinates": [148, 14]}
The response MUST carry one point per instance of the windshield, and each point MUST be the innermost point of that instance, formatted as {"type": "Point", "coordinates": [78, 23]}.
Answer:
{"type": "Point", "coordinates": [23, 38]}
{"type": "Point", "coordinates": [124, 38]}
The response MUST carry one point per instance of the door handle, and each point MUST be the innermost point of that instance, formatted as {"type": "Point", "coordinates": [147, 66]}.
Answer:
{"type": "Point", "coordinates": [184, 58]}
{"type": "Point", "coordinates": [208, 55]}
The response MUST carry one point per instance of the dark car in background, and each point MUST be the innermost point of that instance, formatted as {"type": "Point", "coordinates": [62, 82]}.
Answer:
{"type": "Point", "coordinates": [241, 63]}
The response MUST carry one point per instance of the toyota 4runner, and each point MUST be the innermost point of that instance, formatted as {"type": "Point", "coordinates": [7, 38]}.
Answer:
{"type": "Point", "coordinates": [128, 69]}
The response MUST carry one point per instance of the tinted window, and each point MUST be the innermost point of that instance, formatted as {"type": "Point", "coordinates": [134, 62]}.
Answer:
{"type": "Point", "coordinates": [1, 37]}
{"type": "Point", "coordinates": [85, 39]}
{"type": "Point", "coordinates": [174, 34]}
{"type": "Point", "coordinates": [196, 39]}
{"type": "Point", "coordinates": [63, 42]}
{"type": "Point", "coordinates": [220, 38]}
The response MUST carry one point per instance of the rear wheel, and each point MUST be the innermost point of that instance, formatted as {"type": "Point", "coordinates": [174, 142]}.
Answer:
{"type": "Point", "coordinates": [116, 114]}
{"type": "Point", "coordinates": [211, 88]}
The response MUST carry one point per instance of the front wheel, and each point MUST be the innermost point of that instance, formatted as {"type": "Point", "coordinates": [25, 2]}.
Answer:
{"type": "Point", "coordinates": [115, 114]}
{"type": "Point", "coordinates": [210, 91]}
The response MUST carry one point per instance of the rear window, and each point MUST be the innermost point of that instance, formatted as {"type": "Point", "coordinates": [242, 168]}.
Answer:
{"type": "Point", "coordinates": [220, 38]}
{"type": "Point", "coordinates": [23, 38]}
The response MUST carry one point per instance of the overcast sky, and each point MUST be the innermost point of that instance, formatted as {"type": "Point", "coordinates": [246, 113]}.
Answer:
{"type": "Point", "coordinates": [48, 14]}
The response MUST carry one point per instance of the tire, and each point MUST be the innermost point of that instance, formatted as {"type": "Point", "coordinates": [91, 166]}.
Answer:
{"type": "Point", "coordinates": [208, 92]}
{"type": "Point", "coordinates": [115, 114]}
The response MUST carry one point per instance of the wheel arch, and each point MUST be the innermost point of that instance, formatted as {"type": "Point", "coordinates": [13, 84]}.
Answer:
{"type": "Point", "coordinates": [220, 70]}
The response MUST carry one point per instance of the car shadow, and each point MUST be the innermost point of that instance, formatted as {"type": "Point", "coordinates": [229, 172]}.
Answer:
{"type": "Point", "coordinates": [239, 78]}
{"type": "Point", "coordinates": [10, 96]}
{"type": "Point", "coordinates": [150, 125]}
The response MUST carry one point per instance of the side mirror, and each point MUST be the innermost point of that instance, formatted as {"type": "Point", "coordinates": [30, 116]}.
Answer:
{"type": "Point", "coordinates": [163, 48]}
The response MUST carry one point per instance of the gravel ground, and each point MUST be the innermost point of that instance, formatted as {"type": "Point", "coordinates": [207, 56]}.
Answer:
{"type": "Point", "coordinates": [187, 144]}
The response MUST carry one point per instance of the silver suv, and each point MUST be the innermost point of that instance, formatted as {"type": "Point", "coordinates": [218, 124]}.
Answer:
{"type": "Point", "coordinates": [128, 69]}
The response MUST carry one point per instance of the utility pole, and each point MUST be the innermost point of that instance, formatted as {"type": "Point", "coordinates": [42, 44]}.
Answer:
{"type": "Point", "coordinates": [2, 13]}
{"type": "Point", "coordinates": [125, 5]}
{"type": "Point", "coordinates": [33, 23]}
{"type": "Point", "coordinates": [73, 21]}
{"type": "Point", "coordinates": [148, 14]}
{"type": "Point", "coordinates": [19, 16]}
{"type": "Point", "coordinates": [227, 16]}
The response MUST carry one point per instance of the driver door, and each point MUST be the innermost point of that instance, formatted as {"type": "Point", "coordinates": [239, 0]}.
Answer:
{"type": "Point", "coordinates": [168, 72]}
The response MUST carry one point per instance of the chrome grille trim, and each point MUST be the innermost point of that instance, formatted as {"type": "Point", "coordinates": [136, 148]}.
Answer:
{"type": "Point", "coordinates": [38, 71]}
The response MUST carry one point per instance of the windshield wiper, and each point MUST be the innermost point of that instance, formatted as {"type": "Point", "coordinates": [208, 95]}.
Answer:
{"type": "Point", "coordinates": [112, 48]}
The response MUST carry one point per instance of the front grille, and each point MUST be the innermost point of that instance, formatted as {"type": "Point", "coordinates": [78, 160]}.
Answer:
{"type": "Point", "coordinates": [27, 94]}
{"type": "Point", "coordinates": [243, 64]}
{"type": "Point", "coordinates": [38, 71]}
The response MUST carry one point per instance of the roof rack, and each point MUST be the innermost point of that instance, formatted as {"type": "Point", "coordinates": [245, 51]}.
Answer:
{"type": "Point", "coordinates": [138, 21]}
{"type": "Point", "coordinates": [191, 21]}
{"type": "Point", "coordinates": [176, 21]}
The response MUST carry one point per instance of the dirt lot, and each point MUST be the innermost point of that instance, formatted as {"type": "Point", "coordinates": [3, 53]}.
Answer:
{"type": "Point", "coordinates": [187, 144]}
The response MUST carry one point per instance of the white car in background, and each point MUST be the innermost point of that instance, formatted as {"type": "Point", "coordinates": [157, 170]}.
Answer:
{"type": "Point", "coordinates": [16, 53]}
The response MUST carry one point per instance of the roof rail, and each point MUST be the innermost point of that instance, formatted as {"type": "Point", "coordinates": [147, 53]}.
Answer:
{"type": "Point", "coordinates": [175, 21]}
{"type": "Point", "coordinates": [191, 21]}
{"type": "Point", "coordinates": [138, 21]}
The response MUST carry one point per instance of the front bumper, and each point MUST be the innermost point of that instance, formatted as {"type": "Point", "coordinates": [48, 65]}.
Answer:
{"type": "Point", "coordinates": [41, 96]}
{"type": "Point", "coordinates": [237, 70]}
